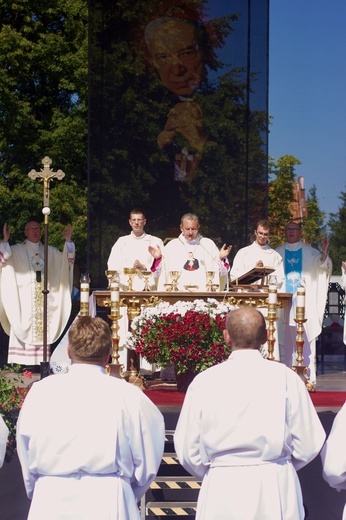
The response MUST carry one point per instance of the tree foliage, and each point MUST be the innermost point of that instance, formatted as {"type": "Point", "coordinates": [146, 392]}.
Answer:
{"type": "Point", "coordinates": [281, 196]}
{"type": "Point", "coordinates": [337, 225]}
{"type": "Point", "coordinates": [314, 229]}
{"type": "Point", "coordinates": [43, 110]}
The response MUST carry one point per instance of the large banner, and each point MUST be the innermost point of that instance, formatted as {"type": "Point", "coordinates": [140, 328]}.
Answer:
{"type": "Point", "coordinates": [178, 119]}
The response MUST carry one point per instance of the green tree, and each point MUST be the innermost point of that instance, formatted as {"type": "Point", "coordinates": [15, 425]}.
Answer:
{"type": "Point", "coordinates": [281, 196]}
{"type": "Point", "coordinates": [314, 229]}
{"type": "Point", "coordinates": [337, 226]}
{"type": "Point", "coordinates": [43, 105]}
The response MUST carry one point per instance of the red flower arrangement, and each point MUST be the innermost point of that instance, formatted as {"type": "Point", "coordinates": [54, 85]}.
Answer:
{"type": "Point", "coordinates": [187, 335]}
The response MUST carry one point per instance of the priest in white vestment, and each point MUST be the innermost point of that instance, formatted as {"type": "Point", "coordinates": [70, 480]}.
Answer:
{"type": "Point", "coordinates": [247, 447]}
{"type": "Point", "coordinates": [89, 444]}
{"type": "Point", "coordinates": [143, 252]}
{"type": "Point", "coordinates": [333, 455]}
{"type": "Point", "coordinates": [137, 250]}
{"type": "Point", "coordinates": [307, 267]}
{"type": "Point", "coordinates": [192, 256]}
{"type": "Point", "coordinates": [3, 440]}
{"type": "Point", "coordinates": [21, 293]}
{"type": "Point", "coordinates": [260, 254]}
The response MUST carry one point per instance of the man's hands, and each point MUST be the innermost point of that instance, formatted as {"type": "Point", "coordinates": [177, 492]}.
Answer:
{"type": "Point", "coordinates": [225, 251]}
{"type": "Point", "coordinates": [154, 251]}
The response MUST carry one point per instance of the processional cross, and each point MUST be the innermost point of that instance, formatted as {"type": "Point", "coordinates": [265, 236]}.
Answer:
{"type": "Point", "coordinates": [46, 175]}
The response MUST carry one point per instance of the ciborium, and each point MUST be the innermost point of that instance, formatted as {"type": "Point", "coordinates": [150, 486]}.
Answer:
{"type": "Point", "coordinates": [130, 273]}
{"type": "Point", "coordinates": [174, 277]}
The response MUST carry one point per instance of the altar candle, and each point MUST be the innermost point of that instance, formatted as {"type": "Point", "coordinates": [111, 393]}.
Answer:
{"type": "Point", "coordinates": [301, 297]}
{"type": "Point", "coordinates": [84, 292]}
{"type": "Point", "coordinates": [272, 296]}
{"type": "Point", "coordinates": [115, 295]}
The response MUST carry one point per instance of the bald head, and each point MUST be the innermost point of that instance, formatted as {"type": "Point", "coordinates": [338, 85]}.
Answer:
{"type": "Point", "coordinates": [245, 328]}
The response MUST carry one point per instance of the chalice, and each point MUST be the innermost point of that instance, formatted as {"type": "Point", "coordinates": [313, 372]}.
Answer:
{"type": "Point", "coordinates": [130, 272]}
{"type": "Point", "coordinates": [174, 277]}
{"type": "Point", "coordinates": [110, 273]}
{"type": "Point", "coordinates": [210, 276]}
{"type": "Point", "coordinates": [146, 276]}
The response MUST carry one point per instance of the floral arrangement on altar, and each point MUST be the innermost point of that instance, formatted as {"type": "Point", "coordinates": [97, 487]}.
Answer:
{"type": "Point", "coordinates": [187, 335]}
{"type": "Point", "coordinates": [12, 394]}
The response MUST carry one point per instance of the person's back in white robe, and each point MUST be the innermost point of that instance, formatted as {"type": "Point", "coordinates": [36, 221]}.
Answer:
{"type": "Point", "coordinates": [246, 426]}
{"type": "Point", "coordinates": [89, 446]}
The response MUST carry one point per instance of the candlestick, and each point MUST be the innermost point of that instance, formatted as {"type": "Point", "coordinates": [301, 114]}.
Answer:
{"type": "Point", "coordinates": [272, 295]}
{"type": "Point", "coordinates": [301, 297]}
{"type": "Point", "coordinates": [84, 294]}
{"type": "Point", "coordinates": [115, 294]}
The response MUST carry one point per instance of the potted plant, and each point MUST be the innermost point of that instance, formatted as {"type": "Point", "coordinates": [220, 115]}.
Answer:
{"type": "Point", "coordinates": [187, 335]}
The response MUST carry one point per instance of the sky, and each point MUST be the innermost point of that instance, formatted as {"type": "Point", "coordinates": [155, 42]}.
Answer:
{"type": "Point", "coordinates": [307, 92]}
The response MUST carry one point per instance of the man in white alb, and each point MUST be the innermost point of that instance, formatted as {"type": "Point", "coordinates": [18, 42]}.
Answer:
{"type": "Point", "coordinates": [308, 267]}
{"type": "Point", "coordinates": [258, 254]}
{"type": "Point", "coordinates": [89, 444]}
{"type": "Point", "coordinates": [21, 292]}
{"type": "Point", "coordinates": [137, 250]}
{"type": "Point", "coordinates": [248, 447]}
{"type": "Point", "coordinates": [193, 255]}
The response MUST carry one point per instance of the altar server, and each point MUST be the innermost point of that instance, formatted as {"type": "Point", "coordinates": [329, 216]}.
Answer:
{"type": "Point", "coordinates": [248, 447]}
{"type": "Point", "coordinates": [89, 444]}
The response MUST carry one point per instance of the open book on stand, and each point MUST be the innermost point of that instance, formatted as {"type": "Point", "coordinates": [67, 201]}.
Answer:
{"type": "Point", "coordinates": [257, 273]}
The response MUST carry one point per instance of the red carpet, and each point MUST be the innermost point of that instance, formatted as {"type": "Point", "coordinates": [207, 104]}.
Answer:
{"type": "Point", "coordinates": [174, 398]}
{"type": "Point", "coordinates": [328, 398]}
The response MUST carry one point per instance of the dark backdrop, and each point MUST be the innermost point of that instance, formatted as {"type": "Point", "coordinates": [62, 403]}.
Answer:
{"type": "Point", "coordinates": [223, 180]}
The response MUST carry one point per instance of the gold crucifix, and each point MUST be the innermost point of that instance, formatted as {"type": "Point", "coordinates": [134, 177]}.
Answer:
{"type": "Point", "coordinates": [46, 174]}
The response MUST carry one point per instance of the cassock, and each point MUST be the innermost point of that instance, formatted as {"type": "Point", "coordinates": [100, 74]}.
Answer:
{"type": "Point", "coordinates": [192, 259]}
{"type": "Point", "coordinates": [89, 446]}
{"type": "Point", "coordinates": [3, 440]}
{"type": "Point", "coordinates": [126, 251]}
{"type": "Point", "coordinates": [21, 313]}
{"type": "Point", "coordinates": [247, 258]}
{"type": "Point", "coordinates": [302, 264]}
{"type": "Point", "coordinates": [247, 448]}
{"type": "Point", "coordinates": [333, 455]}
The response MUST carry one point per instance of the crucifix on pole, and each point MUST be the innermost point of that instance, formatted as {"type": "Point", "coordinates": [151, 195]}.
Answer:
{"type": "Point", "coordinates": [46, 174]}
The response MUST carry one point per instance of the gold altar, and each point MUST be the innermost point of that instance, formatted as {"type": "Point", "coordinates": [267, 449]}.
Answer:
{"type": "Point", "coordinates": [133, 300]}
